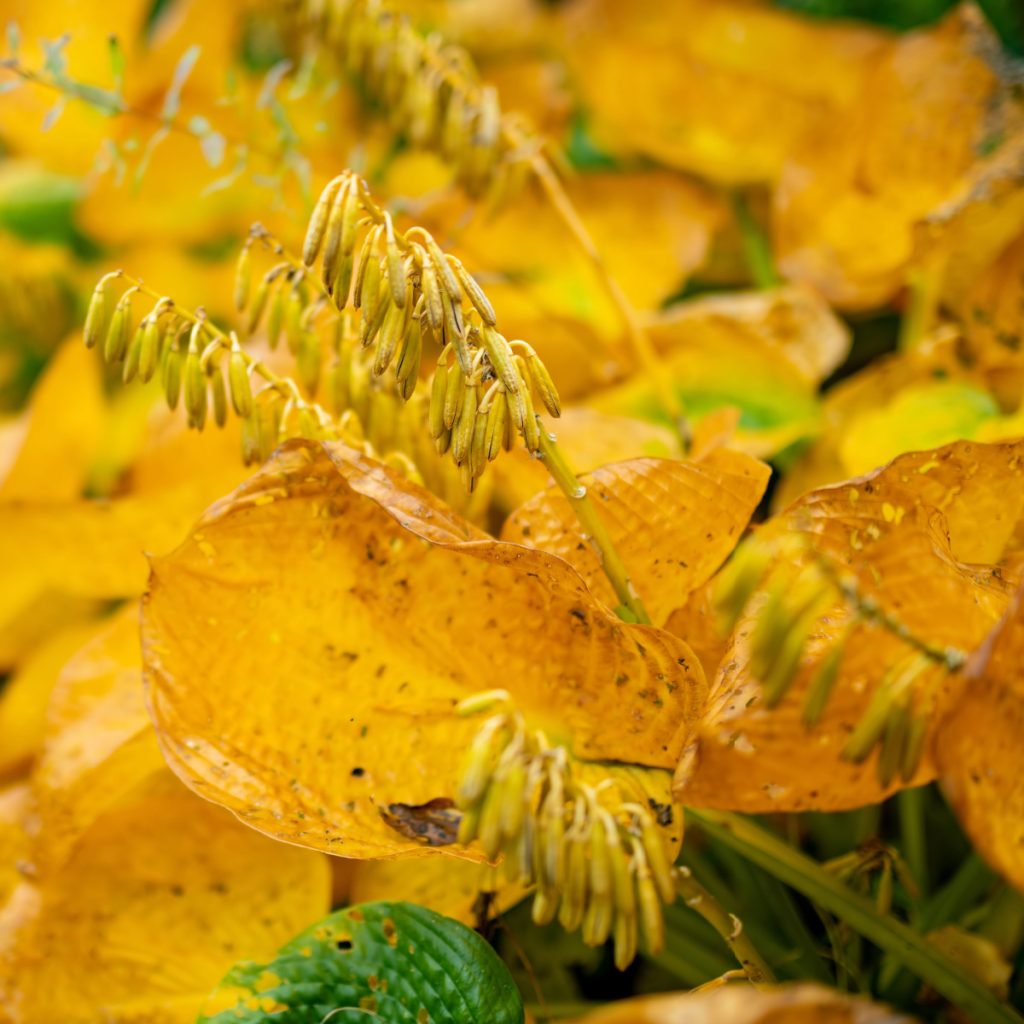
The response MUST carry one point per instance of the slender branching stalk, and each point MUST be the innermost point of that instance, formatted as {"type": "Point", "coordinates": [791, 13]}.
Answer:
{"type": "Point", "coordinates": [432, 94]}
{"type": "Point", "coordinates": [595, 854]}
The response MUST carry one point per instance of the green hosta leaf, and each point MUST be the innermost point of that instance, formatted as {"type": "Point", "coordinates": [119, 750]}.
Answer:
{"type": "Point", "coordinates": [394, 962]}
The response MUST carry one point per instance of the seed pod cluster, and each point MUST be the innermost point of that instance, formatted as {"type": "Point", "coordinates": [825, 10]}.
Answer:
{"type": "Point", "coordinates": [430, 94]}
{"type": "Point", "coordinates": [789, 596]}
{"type": "Point", "coordinates": [409, 294]}
{"type": "Point", "coordinates": [604, 870]}
{"type": "Point", "coordinates": [202, 368]}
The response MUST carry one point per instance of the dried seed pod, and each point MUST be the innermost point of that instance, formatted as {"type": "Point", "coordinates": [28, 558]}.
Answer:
{"type": "Point", "coordinates": [453, 334]}
{"type": "Point", "coordinates": [294, 307]}
{"type": "Point", "coordinates": [149, 349]}
{"type": "Point", "coordinates": [436, 413]}
{"type": "Point", "coordinates": [544, 907]}
{"type": "Point", "coordinates": [345, 205]}
{"type": "Point", "coordinates": [250, 440]}
{"type": "Point", "coordinates": [218, 396]}
{"type": "Point", "coordinates": [738, 580]}
{"type": "Point", "coordinates": [872, 723]}
{"type": "Point", "coordinates": [243, 276]}
{"type": "Point", "coordinates": [195, 380]}
{"type": "Point", "coordinates": [502, 358]}
{"type": "Point", "coordinates": [823, 682]}
{"type": "Point", "coordinates": [408, 368]}
{"type": "Point", "coordinates": [259, 302]}
{"type": "Point", "coordinates": [370, 325]}
{"type": "Point", "coordinates": [119, 331]}
{"type": "Point", "coordinates": [170, 374]}
{"type": "Point", "coordinates": [465, 423]}
{"type": "Point", "coordinates": [97, 319]}
{"type": "Point", "coordinates": [624, 934]}
{"type": "Point", "coordinates": [269, 413]}
{"type": "Point", "coordinates": [367, 283]}
{"type": "Point", "coordinates": [454, 393]}
{"type": "Point", "coordinates": [275, 318]}
{"type": "Point", "coordinates": [431, 291]}
{"type": "Point", "coordinates": [497, 415]}
{"type": "Point", "coordinates": [474, 292]}
{"type": "Point", "coordinates": [238, 380]}
{"type": "Point", "coordinates": [478, 445]}
{"type": "Point", "coordinates": [544, 384]}
{"type": "Point", "coordinates": [657, 858]}
{"type": "Point", "coordinates": [131, 361]}
{"type": "Point", "coordinates": [894, 738]}
{"type": "Point", "coordinates": [396, 273]}
{"type": "Point", "coordinates": [479, 763]}
{"type": "Point", "coordinates": [913, 746]}
{"type": "Point", "coordinates": [318, 221]}
{"type": "Point", "coordinates": [597, 921]}
{"type": "Point", "coordinates": [391, 333]}
{"type": "Point", "coordinates": [652, 919]}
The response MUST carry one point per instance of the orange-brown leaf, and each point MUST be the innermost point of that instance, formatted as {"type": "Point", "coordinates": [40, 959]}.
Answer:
{"type": "Point", "coordinates": [305, 648]}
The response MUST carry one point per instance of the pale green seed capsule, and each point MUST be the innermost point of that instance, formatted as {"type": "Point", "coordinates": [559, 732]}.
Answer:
{"type": "Point", "coordinates": [97, 319]}
{"type": "Point", "coordinates": [396, 272]}
{"type": "Point", "coordinates": [131, 361]}
{"type": "Point", "coordinates": [243, 277]}
{"type": "Point", "coordinates": [119, 332]}
{"type": "Point", "coordinates": [218, 396]}
{"type": "Point", "coordinates": [171, 375]}
{"type": "Point", "coordinates": [238, 381]}
{"type": "Point", "coordinates": [149, 349]}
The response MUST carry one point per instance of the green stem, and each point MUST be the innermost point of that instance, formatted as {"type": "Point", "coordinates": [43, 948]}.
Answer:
{"type": "Point", "coordinates": [911, 804]}
{"type": "Point", "coordinates": [756, 249]}
{"type": "Point", "coordinates": [596, 532]}
{"type": "Point", "coordinates": [729, 926]}
{"type": "Point", "coordinates": [958, 985]}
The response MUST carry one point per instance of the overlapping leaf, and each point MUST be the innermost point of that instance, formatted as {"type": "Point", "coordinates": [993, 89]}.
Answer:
{"type": "Point", "coordinates": [723, 90]}
{"type": "Point", "coordinates": [977, 749]}
{"type": "Point", "coordinates": [328, 606]}
{"type": "Point", "coordinates": [742, 1004]}
{"type": "Point", "coordinates": [906, 534]}
{"type": "Point", "coordinates": [672, 522]}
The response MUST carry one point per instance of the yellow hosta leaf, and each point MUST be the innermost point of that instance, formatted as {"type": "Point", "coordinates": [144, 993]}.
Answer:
{"type": "Point", "coordinates": [922, 416]}
{"type": "Point", "coordinates": [464, 889]}
{"type": "Point", "coordinates": [724, 90]}
{"type": "Point", "coordinates": [15, 848]}
{"type": "Point", "coordinates": [672, 522]}
{"type": "Point", "coordinates": [899, 533]}
{"type": "Point", "coordinates": [305, 648]}
{"type": "Point", "coordinates": [26, 694]}
{"type": "Point", "coordinates": [163, 894]}
{"type": "Point", "coordinates": [850, 196]}
{"type": "Point", "coordinates": [977, 749]}
{"type": "Point", "coordinates": [99, 742]}
{"type": "Point", "coordinates": [791, 321]}
{"type": "Point", "coordinates": [60, 430]}
{"type": "Point", "coordinates": [743, 1004]}
{"type": "Point", "coordinates": [762, 354]}
{"type": "Point", "coordinates": [588, 439]}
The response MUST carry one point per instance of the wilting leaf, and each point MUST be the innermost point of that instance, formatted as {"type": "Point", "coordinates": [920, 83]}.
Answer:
{"type": "Point", "coordinates": [850, 197]}
{"type": "Point", "coordinates": [899, 532]}
{"type": "Point", "coordinates": [305, 647]}
{"type": "Point", "coordinates": [762, 354]}
{"type": "Point", "coordinates": [164, 892]}
{"type": "Point", "coordinates": [394, 961]}
{"type": "Point", "coordinates": [742, 1004]}
{"type": "Point", "coordinates": [672, 522]}
{"type": "Point", "coordinates": [588, 439]}
{"type": "Point", "coordinates": [977, 749]}
{"type": "Point", "coordinates": [724, 90]}
{"type": "Point", "coordinates": [26, 694]}
{"type": "Point", "coordinates": [99, 745]}
{"type": "Point", "coordinates": [59, 431]}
